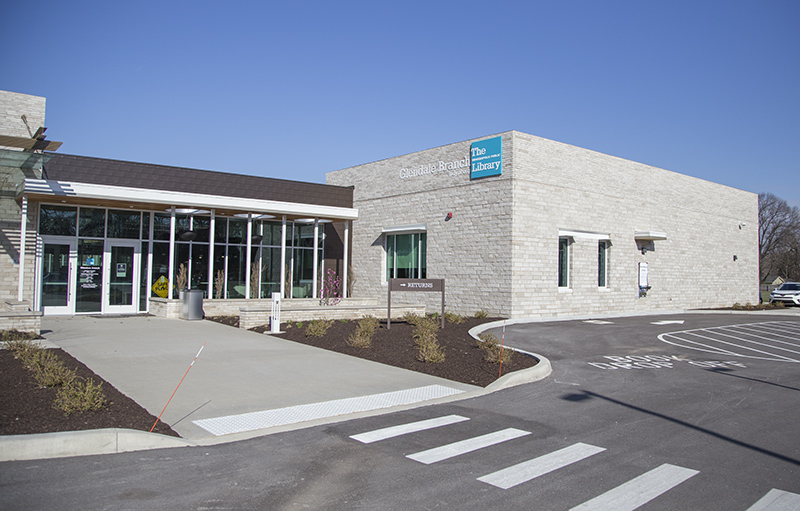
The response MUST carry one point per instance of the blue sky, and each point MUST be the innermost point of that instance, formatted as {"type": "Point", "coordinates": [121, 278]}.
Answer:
{"type": "Point", "coordinates": [296, 89]}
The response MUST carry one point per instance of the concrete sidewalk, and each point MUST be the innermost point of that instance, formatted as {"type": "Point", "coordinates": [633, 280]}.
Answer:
{"type": "Point", "coordinates": [242, 385]}
{"type": "Point", "coordinates": [238, 376]}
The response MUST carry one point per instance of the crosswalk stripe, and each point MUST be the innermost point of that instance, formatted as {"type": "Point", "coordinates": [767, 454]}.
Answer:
{"type": "Point", "coordinates": [640, 490]}
{"type": "Point", "coordinates": [531, 469]}
{"type": "Point", "coordinates": [471, 444]}
{"type": "Point", "coordinates": [403, 429]}
{"type": "Point", "coordinates": [777, 500]}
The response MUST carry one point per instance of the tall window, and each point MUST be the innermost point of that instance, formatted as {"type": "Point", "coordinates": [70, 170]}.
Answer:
{"type": "Point", "coordinates": [405, 256]}
{"type": "Point", "coordinates": [563, 262]}
{"type": "Point", "coordinates": [602, 263]}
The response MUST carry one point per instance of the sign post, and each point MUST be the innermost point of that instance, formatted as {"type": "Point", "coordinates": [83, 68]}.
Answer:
{"type": "Point", "coordinates": [435, 285]}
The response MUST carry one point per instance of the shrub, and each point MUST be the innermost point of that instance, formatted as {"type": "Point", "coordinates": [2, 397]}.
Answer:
{"type": "Point", "coordinates": [365, 329]}
{"type": "Point", "coordinates": [452, 317]}
{"type": "Point", "coordinates": [318, 327]}
{"type": "Point", "coordinates": [481, 314]}
{"type": "Point", "coordinates": [80, 396]}
{"type": "Point", "coordinates": [50, 372]}
{"type": "Point", "coordinates": [14, 335]}
{"type": "Point", "coordinates": [491, 345]}
{"type": "Point", "coordinates": [357, 340]}
{"type": "Point", "coordinates": [430, 351]}
{"type": "Point", "coordinates": [425, 338]}
{"type": "Point", "coordinates": [426, 326]}
{"type": "Point", "coordinates": [23, 349]}
{"type": "Point", "coordinates": [410, 318]}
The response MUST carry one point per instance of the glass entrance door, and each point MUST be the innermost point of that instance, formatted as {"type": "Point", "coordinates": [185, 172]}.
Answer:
{"type": "Point", "coordinates": [121, 273]}
{"type": "Point", "coordinates": [89, 293]}
{"type": "Point", "coordinates": [57, 277]}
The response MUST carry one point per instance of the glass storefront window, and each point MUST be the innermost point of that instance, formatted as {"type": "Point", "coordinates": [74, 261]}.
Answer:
{"type": "Point", "coordinates": [219, 271]}
{"type": "Point", "coordinates": [220, 230]}
{"type": "Point", "coordinates": [143, 278]}
{"type": "Point", "coordinates": [201, 225]}
{"type": "Point", "coordinates": [271, 234]}
{"type": "Point", "coordinates": [236, 231]}
{"type": "Point", "coordinates": [161, 226]}
{"type": "Point", "coordinates": [57, 220]}
{"type": "Point", "coordinates": [92, 223]}
{"type": "Point", "coordinates": [124, 224]}
{"type": "Point", "coordinates": [270, 271]}
{"type": "Point", "coordinates": [183, 224]}
{"type": "Point", "coordinates": [236, 276]}
{"type": "Point", "coordinates": [160, 263]}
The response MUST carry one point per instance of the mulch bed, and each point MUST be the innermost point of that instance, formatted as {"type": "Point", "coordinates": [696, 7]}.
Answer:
{"type": "Point", "coordinates": [464, 361]}
{"type": "Point", "coordinates": [26, 408]}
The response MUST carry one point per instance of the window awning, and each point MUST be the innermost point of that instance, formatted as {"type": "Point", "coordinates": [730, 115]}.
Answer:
{"type": "Point", "coordinates": [649, 235]}
{"type": "Point", "coordinates": [405, 229]}
{"type": "Point", "coordinates": [571, 233]}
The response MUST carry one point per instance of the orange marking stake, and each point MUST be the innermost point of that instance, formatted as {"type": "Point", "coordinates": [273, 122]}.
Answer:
{"type": "Point", "coordinates": [176, 388]}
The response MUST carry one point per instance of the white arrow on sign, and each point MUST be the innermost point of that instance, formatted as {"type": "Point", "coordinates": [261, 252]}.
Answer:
{"type": "Point", "coordinates": [668, 322]}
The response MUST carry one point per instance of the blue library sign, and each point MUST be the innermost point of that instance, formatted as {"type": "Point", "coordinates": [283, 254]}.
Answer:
{"type": "Point", "coordinates": [486, 158]}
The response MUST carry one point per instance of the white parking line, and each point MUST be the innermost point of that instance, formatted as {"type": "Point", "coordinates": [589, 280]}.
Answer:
{"type": "Point", "coordinates": [471, 444]}
{"type": "Point", "coordinates": [722, 331]}
{"type": "Point", "coordinates": [777, 500]}
{"type": "Point", "coordinates": [773, 335]}
{"type": "Point", "coordinates": [640, 490]}
{"type": "Point", "coordinates": [747, 331]}
{"type": "Point", "coordinates": [403, 429]}
{"type": "Point", "coordinates": [531, 469]}
{"type": "Point", "coordinates": [751, 340]}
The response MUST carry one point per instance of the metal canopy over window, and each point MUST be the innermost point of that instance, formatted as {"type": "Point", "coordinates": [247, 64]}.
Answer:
{"type": "Point", "coordinates": [649, 235]}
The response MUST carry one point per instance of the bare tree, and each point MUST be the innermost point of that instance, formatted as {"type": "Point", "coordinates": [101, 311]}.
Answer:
{"type": "Point", "coordinates": [778, 238]}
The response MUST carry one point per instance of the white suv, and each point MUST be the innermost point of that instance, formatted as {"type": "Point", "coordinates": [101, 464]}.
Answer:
{"type": "Point", "coordinates": [788, 293]}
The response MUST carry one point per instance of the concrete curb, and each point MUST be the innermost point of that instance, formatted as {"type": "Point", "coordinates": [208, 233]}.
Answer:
{"type": "Point", "coordinates": [538, 372]}
{"type": "Point", "coordinates": [83, 443]}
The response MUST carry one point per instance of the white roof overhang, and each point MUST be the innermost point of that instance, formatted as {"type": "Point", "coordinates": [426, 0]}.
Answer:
{"type": "Point", "coordinates": [572, 233]}
{"type": "Point", "coordinates": [405, 229]}
{"type": "Point", "coordinates": [43, 190]}
{"type": "Point", "coordinates": [649, 235]}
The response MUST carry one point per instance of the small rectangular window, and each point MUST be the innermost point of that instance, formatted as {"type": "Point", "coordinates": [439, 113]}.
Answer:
{"type": "Point", "coordinates": [602, 263]}
{"type": "Point", "coordinates": [405, 256]}
{"type": "Point", "coordinates": [563, 262]}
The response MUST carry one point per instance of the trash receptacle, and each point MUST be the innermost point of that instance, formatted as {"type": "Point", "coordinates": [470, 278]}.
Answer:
{"type": "Point", "coordinates": [192, 305]}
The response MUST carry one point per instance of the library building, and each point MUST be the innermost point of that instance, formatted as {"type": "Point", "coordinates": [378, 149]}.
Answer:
{"type": "Point", "coordinates": [516, 225]}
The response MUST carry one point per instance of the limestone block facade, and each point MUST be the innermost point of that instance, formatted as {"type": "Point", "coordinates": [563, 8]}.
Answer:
{"type": "Point", "coordinates": [499, 250]}
{"type": "Point", "coordinates": [12, 172]}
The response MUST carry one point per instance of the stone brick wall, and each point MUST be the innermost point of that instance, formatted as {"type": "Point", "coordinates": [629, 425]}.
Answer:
{"type": "Point", "coordinates": [10, 215]}
{"type": "Point", "coordinates": [499, 252]}
{"type": "Point", "coordinates": [558, 186]}
{"type": "Point", "coordinates": [472, 251]}
{"type": "Point", "coordinates": [13, 106]}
